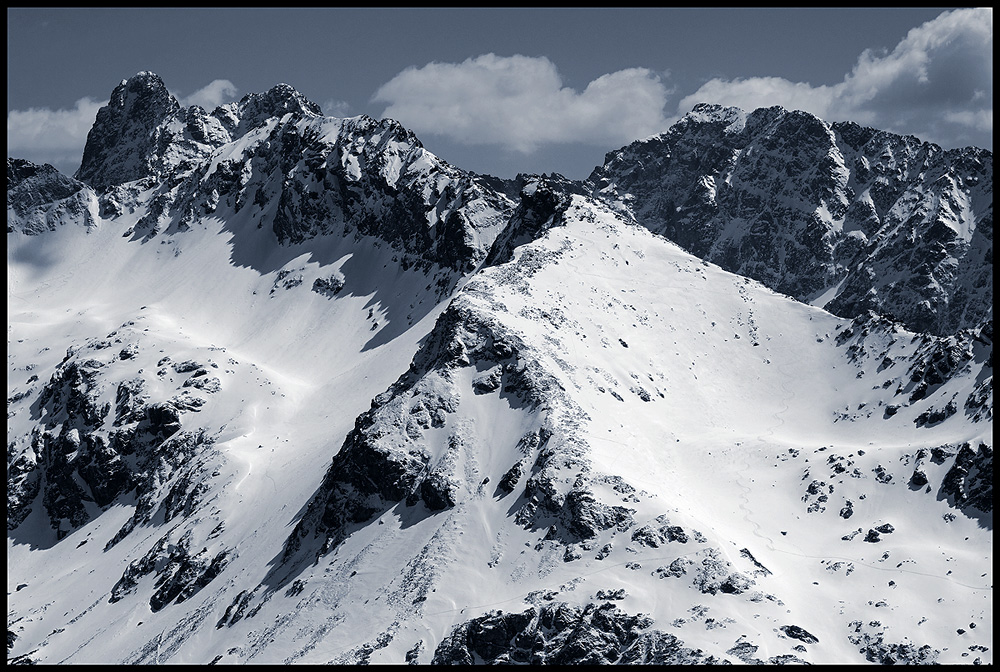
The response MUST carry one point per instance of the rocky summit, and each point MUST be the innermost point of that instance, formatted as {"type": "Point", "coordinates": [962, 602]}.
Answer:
{"type": "Point", "coordinates": [288, 388]}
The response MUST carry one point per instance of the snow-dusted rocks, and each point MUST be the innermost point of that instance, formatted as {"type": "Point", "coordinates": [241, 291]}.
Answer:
{"type": "Point", "coordinates": [40, 198]}
{"type": "Point", "coordinates": [98, 433]}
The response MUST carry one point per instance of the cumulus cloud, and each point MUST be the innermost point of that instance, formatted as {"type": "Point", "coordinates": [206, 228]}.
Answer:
{"type": "Point", "coordinates": [43, 135]}
{"type": "Point", "coordinates": [520, 102]}
{"type": "Point", "coordinates": [937, 84]}
{"type": "Point", "coordinates": [218, 92]}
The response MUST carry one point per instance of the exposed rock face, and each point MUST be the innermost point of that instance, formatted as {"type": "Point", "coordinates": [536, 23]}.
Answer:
{"type": "Point", "coordinates": [303, 174]}
{"type": "Point", "coordinates": [123, 143]}
{"type": "Point", "coordinates": [968, 485]}
{"type": "Point", "coordinates": [40, 198]}
{"type": "Point", "coordinates": [562, 634]}
{"type": "Point", "coordinates": [143, 131]}
{"type": "Point", "coordinates": [105, 436]}
{"type": "Point", "coordinates": [543, 201]}
{"type": "Point", "coordinates": [255, 108]}
{"type": "Point", "coordinates": [901, 227]}
{"type": "Point", "coordinates": [87, 450]}
{"type": "Point", "coordinates": [29, 184]}
{"type": "Point", "coordinates": [374, 178]}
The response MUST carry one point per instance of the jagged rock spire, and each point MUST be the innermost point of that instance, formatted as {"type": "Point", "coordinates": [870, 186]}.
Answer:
{"type": "Point", "coordinates": [120, 144]}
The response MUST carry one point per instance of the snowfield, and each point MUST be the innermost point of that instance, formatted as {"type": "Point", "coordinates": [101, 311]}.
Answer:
{"type": "Point", "coordinates": [702, 399]}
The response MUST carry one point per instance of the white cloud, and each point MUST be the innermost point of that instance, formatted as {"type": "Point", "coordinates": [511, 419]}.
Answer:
{"type": "Point", "coordinates": [520, 102]}
{"type": "Point", "coordinates": [218, 92]}
{"type": "Point", "coordinates": [937, 83]}
{"type": "Point", "coordinates": [336, 108]}
{"type": "Point", "coordinates": [43, 135]}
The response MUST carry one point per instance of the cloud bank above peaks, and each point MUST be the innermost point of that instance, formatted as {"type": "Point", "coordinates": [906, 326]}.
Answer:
{"type": "Point", "coordinates": [519, 102]}
{"type": "Point", "coordinates": [51, 136]}
{"type": "Point", "coordinates": [937, 84]}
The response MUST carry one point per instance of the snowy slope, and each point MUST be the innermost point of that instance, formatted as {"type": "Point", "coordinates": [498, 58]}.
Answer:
{"type": "Point", "coordinates": [661, 411]}
{"type": "Point", "coordinates": [593, 327]}
{"type": "Point", "coordinates": [281, 350]}
{"type": "Point", "coordinates": [285, 388]}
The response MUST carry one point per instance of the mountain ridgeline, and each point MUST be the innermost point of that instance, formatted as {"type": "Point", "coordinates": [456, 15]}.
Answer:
{"type": "Point", "coordinates": [865, 219]}
{"type": "Point", "coordinates": [851, 218]}
{"type": "Point", "coordinates": [328, 398]}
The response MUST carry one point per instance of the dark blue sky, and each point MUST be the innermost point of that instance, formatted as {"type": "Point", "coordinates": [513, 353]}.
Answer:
{"type": "Point", "coordinates": [657, 60]}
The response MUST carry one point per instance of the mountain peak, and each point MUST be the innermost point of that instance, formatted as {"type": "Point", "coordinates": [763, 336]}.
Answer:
{"type": "Point", "coordinates": [121, 139]}
{"type": "Point", "coordinates": [817, 210]}
{"type": "Point", "coordinates": [144, 78]}
{"type": "Point", "coordinates": [707, 113]}
{"type": "Point", "coordinates": [277, 101]}
{"type": "Point", "coordinates": [141, 90]}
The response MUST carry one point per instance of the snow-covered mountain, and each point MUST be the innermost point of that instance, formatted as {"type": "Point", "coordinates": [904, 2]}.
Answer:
{"type": "Point", "coordinates": [848, 218]}
{"type": "Point", "coordinates": [289, 388]}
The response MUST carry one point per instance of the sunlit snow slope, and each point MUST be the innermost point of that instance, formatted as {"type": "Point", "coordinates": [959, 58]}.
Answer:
{"type": "Point", "coordinates": [604, 443]}
{"type": "Point", "coordinates": [287, 368]}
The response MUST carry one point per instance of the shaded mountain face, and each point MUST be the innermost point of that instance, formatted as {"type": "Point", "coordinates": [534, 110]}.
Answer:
{"type": "Point", "coordinates": [40, 198]}
{"type": "Point", "coordinates": [289, 388]}
{"type": "Point", "coordinates": [846, 217]}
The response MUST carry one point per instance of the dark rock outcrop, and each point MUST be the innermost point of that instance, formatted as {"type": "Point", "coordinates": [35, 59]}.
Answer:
{"type": "Point", "coordinates": [968, 485]}
{"type": "Point", "coordinates": [179, 572]}
{"type": "Point", "coordinates": [85, 451]}
{"type": "Point", "coordinates": [561, 634]}
{"type": "Point", "coordinates": [799, 633]}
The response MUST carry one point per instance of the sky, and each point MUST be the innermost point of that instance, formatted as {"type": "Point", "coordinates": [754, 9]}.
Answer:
{"type": "Point", "coordinates": [503, 91]}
